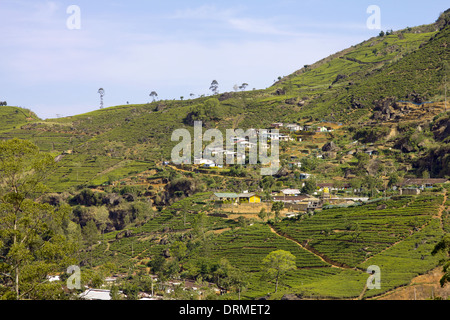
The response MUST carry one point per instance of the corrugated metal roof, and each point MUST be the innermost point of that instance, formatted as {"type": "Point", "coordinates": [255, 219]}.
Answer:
{"type": "Point", "coordinates": [95, 294]}
{"type": "Point", "coordinates": [226, 195]}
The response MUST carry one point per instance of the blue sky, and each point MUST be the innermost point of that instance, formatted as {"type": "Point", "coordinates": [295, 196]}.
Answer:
{"type": "Point", "coordinates": [173, 47]}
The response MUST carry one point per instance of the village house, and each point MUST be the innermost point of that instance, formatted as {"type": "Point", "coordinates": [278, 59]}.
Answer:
{"type": "Point", "coordinates": [201, 161]}
{"type": "Point", "coordinates": [285, 138]}
{"type": "Point", "coordinates": [294, 127]}
{"type": "Point", "coordinates": [244, 197]}
{"type": "Point", "coordinates": [294, 164]}
{"type": "Point", "coordinates": [270, 135]}
{"type": "Point", "coordinates": [299, 202]}
{"type": "Point", "coordinates": [277, 125]}
{"type": "Point", "coordinates": [323, 187]}
{"type": "Point", "coordinates": [221, 197]}
{"type": "Point", "coordinates": [304, 176]}
{"type": "Point", "coordinates": [291, 192]}
{"type": "Point", "coordinates": [371, 152]}
{"type": "Point", "coordinates": [422, 183]}
{"type": "Point", "coordinates": [249, 198]}
{"type": "Point", "coordinates": [409, 191]}
{"type": "Point", "coordinates": [246, 144]}
{"type": "Point", "coordinates": [275, 136]}
{"type": "Point", "coordinates": [96, 294]}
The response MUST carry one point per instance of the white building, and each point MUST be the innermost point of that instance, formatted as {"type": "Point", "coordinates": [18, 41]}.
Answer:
{"type": "Point", "coordinates": [96, 294]}
{"type": "Point", "coordinates": [294, 127]}
{"type": "Point", "coordinates": [291, 192]}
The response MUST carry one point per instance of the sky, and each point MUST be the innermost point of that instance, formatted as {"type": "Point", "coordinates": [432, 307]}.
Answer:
{"type": "Point", "coordinates": [55, 55]}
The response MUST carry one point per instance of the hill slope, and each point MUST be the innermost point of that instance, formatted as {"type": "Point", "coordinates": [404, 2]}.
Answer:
{"type": "Point", "coordinates": [385, 94]}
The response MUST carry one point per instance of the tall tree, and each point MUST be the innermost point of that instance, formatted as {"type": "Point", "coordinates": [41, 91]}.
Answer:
{"type": "Point", "coordinates": [32, 244]}
{"type": "Point", "coordinates": [214, 87]}
{"type": "Point", "coordinates": [277, 263]}
{"type": "Point", "coordinates": [243, 86]}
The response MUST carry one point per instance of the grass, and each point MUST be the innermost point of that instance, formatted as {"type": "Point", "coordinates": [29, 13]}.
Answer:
{"type": "Point", "coordinates": [351, 235]}
{"type": "Point", "coordinates": [407, 259]}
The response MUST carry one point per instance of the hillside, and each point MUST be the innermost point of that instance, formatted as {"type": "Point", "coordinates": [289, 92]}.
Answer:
{"type": "Point", "coordinates": [382, 104]}
{"type": "Point", "coordinates": [405, 65]}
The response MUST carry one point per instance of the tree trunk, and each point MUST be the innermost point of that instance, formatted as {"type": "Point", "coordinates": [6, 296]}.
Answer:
{"type": "Point", "coordinates": [16, 268]}
{"type": "Point", "coordinates": [276, 283]}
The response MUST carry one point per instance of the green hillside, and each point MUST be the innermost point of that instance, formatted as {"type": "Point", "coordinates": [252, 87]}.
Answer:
{"type": "Point", "coordinates": [14, 117]}
{"type": "Point", "coordinates": [136, 215]}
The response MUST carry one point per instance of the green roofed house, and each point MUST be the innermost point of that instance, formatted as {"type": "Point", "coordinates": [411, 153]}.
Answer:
{"type": "Point", "coordinates": [221, 197]}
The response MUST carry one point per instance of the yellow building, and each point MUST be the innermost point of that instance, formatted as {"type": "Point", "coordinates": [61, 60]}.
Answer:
{"type": "Point", "coordinates": [249, 198]}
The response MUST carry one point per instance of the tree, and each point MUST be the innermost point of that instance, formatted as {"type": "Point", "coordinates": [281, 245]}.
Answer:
{"type": "Point", "coordinates": [32, 241]}
{"type": "Point", "coordinates": [276, 208]}
{"type": "Point", "coordinates": [243, 86]}
{"type": "Point", "coordinates": [277, 263]}
{"type": "Point", "coordinates": [309, 163]}
{"type": "Point", "coordinates": [362, 164]}
{"type": "Point", "coordinates": [310, 186]}
{"type": "Point", "coordinates": [154, 95]}
{"type": "Point", "coordinates": [178, 250]}
{"type": "Point", "coordinates": [214, 87]}
{"type": "Point", "coordinates": [443, 246]}
{"type": "Point", "coordinates": [238, 280]}
{"type": "Point", "coordinates": [373, 183]}
{"type": "Point", "coordinates": [262, 214]}
{"type": "Point", "coordinates": [115, 293]}
{"type": "Point", "coordinates": [101, 92]}
{"type": "Point", "coordinates": [90, 233]}
{"type": "Point", "coordinates": [394, 179]}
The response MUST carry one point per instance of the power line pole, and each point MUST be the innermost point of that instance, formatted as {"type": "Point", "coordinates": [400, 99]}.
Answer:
{"type": "Point", "coordinates": [101, 91]}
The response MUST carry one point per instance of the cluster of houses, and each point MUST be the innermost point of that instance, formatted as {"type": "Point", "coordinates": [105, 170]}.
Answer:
{"type": "Point", "coordinates": [297, 127]}
{"type": "Point", "coordinates": [242, 144]}
{"type": "Point", "coordinates": [293, 199]}
{"type": "Point", "coordinates": [168, 287]}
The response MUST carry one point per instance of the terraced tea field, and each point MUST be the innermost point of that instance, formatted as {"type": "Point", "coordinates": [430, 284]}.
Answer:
{"type": "Point", "coordinates": [349, 236]}
{"type": "Point", "coordinates": [333, 248]}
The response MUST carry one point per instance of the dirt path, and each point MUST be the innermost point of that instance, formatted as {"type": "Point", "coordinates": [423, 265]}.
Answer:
{"type": "Point", "coordinates": [107, 247]}
{"type": "Point", "coordinates": [307, 248]}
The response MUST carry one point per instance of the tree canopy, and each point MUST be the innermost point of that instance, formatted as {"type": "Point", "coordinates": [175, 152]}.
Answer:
{"type": "Point", "coordinates": [277, 263]}
{"type": "Point", "coordinates": [33, 241]}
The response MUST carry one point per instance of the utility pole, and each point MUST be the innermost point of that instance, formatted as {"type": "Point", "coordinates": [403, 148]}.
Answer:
{"type": "Point", "coordinates": [101, 91]}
